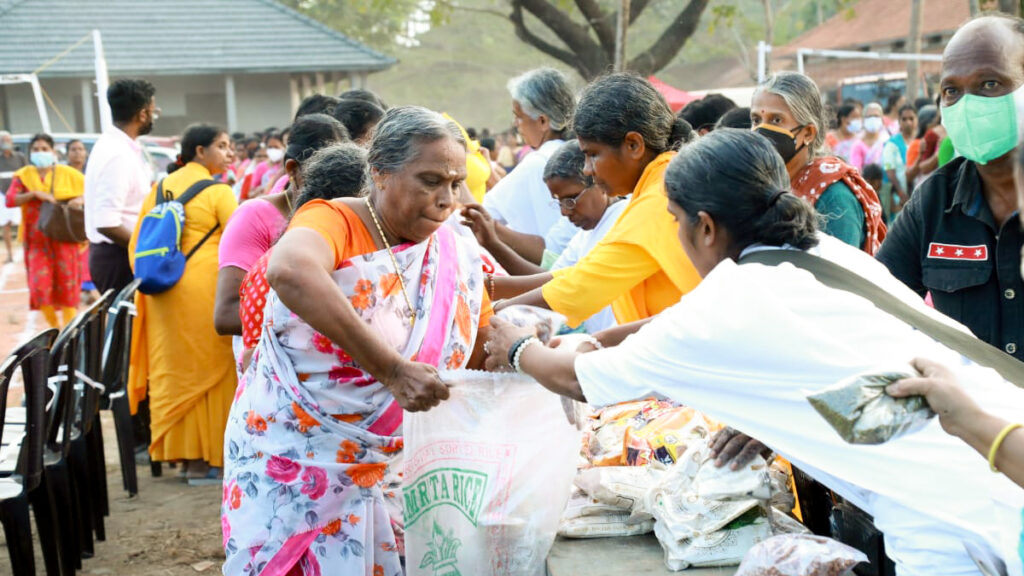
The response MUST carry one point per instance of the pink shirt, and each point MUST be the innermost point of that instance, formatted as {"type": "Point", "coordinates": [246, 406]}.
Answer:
{"type": "Point", "coordinates": [251, 231]}
{"type": "Point", "coordinates": [279, 186]}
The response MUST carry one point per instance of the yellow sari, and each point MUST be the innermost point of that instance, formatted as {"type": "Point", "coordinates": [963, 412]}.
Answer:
{"type": "Point", "coordinates": [188, 367]}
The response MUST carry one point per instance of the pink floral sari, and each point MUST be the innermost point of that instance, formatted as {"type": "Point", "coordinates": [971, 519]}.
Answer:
{"type": "Point", "coordinates": [313, 443]}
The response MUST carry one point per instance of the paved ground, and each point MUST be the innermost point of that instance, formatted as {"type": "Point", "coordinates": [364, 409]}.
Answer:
{"type": "Point", "coordinates": [169, 529]}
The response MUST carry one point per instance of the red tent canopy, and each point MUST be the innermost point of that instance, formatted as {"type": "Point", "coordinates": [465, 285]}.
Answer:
{"type": "Point", "coordinates": [676, 98]}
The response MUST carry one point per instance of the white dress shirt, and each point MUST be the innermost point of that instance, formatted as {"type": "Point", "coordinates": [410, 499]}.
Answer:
{"type": "Point", "coordinates": [117, 180]}
{"type": "Point", "coordinates": [522, 200]}
{"type": "Point", "coordinates": [748, 344]}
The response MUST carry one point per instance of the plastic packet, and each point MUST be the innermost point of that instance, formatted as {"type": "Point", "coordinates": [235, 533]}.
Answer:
{"type": "Point", "coordinates": [800, 555]}
{"type": "Point", "coordinates": [862, 413]}
{"type": "Point", "coordinates": [548, 323]}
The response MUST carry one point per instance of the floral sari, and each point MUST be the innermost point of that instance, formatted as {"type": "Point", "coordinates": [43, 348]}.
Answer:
{"type": "Point", "coordinates": [313, 442]}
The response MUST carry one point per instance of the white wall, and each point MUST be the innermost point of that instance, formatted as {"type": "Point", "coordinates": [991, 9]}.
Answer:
{"type": "Point", "coordinates": [262, 99]}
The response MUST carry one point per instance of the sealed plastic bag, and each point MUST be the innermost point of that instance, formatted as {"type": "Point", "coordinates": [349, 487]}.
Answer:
{"type": "Point", "coordinates": [862, 413]}
{"type": "Point", "coordinates": [487, 475]}
{"type": "Point", "coordinates": [800, 555]}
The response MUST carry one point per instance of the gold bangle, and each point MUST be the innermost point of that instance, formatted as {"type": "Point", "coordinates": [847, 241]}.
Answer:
{"type": "Point", "coordinates": [998, 442]}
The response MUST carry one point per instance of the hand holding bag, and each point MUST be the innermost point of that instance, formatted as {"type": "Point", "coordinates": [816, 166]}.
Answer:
{"type": "Point", "coordinates": [61, 221]}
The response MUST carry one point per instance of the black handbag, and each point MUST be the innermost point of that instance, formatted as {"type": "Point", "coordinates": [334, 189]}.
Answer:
{"type": "Point", "coordinates": [61, 221]}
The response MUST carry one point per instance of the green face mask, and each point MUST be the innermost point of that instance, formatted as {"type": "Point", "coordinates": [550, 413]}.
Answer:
{"type": "Point", "coordinates": [983, 129]}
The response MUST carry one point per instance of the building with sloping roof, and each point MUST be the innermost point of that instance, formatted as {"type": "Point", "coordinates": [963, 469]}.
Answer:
{"type": "Point", "coordinates": [874, 26]}
{"type": "Point", "coordinates": [242, 64]}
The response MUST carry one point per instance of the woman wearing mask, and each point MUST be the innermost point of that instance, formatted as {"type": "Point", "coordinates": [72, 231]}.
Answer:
{"type": "Point", "coordinates": [848, 144]}
{"type": "Point", "coordinates": [894, 162]}
{"type": "Point", "coordinates": [176, 352]}
{"type": "Point", "coordinates": [875, 134]}
{"type": "Point", "coordinates": [266, 173]}
{"type": "Point", "coordinates": [53, 267]}
{"type": "Point", "coordinates": [77, 157]}
{"type": "Point", "coordinates": [788, 111]}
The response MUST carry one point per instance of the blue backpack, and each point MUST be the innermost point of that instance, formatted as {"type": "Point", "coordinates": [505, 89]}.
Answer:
{"type": "Point", "coordinates": [159, 262]}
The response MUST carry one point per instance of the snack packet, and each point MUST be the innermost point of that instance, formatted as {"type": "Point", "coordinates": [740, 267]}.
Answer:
{"type": "Point", "coordinates": [800, 555]}
{"type": "Point", "coordinates": [862, 413]}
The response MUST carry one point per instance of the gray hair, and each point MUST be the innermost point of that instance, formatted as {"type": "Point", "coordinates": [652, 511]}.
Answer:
{"type": "Point", "coordinates": [397, 138]}
{"type": "Point", "coordinates": [4, 134]}
{"type": "Point", "coordinates": [337, 171]}
{"type": "Point", "coordinates": [568, 162]}
{"type": "Point", "coordinates": [544, 91]}
{"type": "Point", "coordinates": [874, 106]}
{"type": "Point", "coordinates": [803, 98]}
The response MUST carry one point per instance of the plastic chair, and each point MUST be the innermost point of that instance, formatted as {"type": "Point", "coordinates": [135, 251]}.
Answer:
{"type": "Point", "coordinates": [22, 438]}
{"type": "Point", "coordinates": [115, 362]}
{"type": "Point", "coordinates": [60, 423]}
{"type": "Point", "coordinates": [86, 464]}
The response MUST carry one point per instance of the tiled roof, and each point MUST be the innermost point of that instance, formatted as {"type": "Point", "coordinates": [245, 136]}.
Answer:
{"type": "Point", "coordinates": [879, 22]}
{"type": "Point", "coordinates": [174, 37]}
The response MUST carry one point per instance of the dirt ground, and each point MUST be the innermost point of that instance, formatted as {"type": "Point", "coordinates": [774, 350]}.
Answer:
{"type": "Point", "coordinates": [169, 529]}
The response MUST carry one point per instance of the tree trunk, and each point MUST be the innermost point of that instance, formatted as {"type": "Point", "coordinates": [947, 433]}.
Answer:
{"type": "Point", "coordinates": [620, 37]}
{"type": "Point", "coordinates": [1010, 7]}
{"type": "Point", "coordinates": [821, 13]}
{"type": "Point", "coordinates": [769, 23]}
{"type": "Point", "coordinates": [975, 8]}
{"type": "Point", "coordinates": [914, 44]}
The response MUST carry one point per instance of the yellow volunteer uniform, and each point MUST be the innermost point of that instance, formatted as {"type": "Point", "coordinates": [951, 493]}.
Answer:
{"type": "Point", "coordinates": [639, 267]}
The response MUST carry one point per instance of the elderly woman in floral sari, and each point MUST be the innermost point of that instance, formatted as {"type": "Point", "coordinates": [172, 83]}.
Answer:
{"type": "Point", "coordinates": [370, 296]}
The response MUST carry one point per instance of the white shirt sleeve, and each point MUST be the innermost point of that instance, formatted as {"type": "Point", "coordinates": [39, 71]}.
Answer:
{"type": "Point", "coordinates": [106, 198]}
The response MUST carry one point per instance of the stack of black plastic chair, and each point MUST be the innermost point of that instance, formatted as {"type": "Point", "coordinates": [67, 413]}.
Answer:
{"type": "Point", "coordinates": [95, 337]}
{"type": "Point", "coordinates": [22, 435]}
{"type": "Point", "coordinates": [86, 464]}
{"type": "Point", "coordinates": [116, 358]}
{"type": "Point", "coordinates": [61, 411]}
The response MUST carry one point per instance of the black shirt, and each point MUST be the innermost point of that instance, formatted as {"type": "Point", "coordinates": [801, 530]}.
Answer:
{"type": "Point", "coordinates": [946, 242]}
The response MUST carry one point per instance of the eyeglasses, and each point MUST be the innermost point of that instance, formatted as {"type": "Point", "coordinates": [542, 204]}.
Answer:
{"type": "Point", "coordinates": [569, 203]}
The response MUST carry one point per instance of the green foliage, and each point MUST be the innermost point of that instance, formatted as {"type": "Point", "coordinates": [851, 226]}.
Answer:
{"type": "Point", "coordinates": [377, 23]}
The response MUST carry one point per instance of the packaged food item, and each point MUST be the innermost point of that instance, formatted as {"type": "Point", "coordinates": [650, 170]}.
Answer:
{"type": "Point", "coordinates": [487, 474]}
{"type": "Point", "coordinates": [604, 526]}
{"type": "Point", "coordinates": [622, 487]}
{"type": "Point", "coordinates": [800, 555]}
{"type": "Point", "coordinates": [862, 413]}
{"type": "Point", "coordinates": [724, 547]}
{"type": "Point", "coordinates": [548, 323]}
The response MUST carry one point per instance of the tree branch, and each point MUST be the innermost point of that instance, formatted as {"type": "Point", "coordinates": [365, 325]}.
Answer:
{"type": "Point", "coordinates": [636, 8]}
{"type": "Point", "coordinates": [671, 40]}
{"type": "Point", "coordinates": [575, 36]}
{"type": "Point", "coordinates": [464, 8]}
{"type": "Point", "coordinates": [600, 22]}
{"type": "Point", "coordinates": [524, 34]}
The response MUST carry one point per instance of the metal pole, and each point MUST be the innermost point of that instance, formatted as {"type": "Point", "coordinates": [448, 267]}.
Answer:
{"type": "Point", "coordinates": [762, 65]}
{"type": "Point", "coordinates": [800, 61]}
{"type": "Point", "coordinates": [232, 104]}
{"type": "Point", "coordinates": [102, 82]}
{"type": "Point", "coordinates": [44, 117]}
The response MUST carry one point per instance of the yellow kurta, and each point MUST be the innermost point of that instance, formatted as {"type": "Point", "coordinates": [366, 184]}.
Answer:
{"type": "Point", "coordinates": [639, 267]}
{"type": "Point", "coordinates": [189, 368]}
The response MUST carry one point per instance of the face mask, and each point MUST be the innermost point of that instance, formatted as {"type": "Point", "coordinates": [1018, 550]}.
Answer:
{"type": "Point", "coordinates": [983, 129]}
{"type": "Point", "coordinates": [783, 140]}
{"type": "Point", "coordinates": [855, 126]}
{"type": "Point", "coordinates": [873, 125]}
{"type": "Point", "coordinates": [42, 159]}
{"type": "Point", "coordinates": [6, 146]}
{"type": "Point", "coordinates": [275, 155]}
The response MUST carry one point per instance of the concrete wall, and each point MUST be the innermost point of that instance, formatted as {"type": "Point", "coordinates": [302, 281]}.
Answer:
{"type": "Point", "coordinates": [262, 100]}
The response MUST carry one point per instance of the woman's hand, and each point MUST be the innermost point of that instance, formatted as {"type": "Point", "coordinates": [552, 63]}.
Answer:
{"type": "Point", "coordinates": [416, 386]}
{"type": "Point", "coordinates": [940, 389]}
{"type": "Point", "coordinates": [77, 202]}
{"type": "Point", "coordinates": [44, 196]}
{"type": "Point", "coordinates": [735, 448]}
{"type": "Point", "coordinates": [476, 218]}
{"type": "Point", "coordinates": [503, 335]}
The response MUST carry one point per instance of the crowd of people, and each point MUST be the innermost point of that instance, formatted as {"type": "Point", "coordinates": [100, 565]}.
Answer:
{"type": "Point", "coordinates": [338, 266]}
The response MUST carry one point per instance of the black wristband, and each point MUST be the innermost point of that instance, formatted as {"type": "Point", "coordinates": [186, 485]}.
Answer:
{"type": "Point", "coordinates": [515, 346]}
